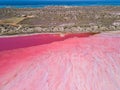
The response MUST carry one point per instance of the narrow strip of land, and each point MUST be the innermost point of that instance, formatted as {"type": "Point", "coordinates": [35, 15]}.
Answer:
{"type": "Point", "coordinates": [95, 19]}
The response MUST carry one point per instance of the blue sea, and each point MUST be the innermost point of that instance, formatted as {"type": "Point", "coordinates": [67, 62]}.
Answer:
{"type": "Point", "coordinates": [40, 4]}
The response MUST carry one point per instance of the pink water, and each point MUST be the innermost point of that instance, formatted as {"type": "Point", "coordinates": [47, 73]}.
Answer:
{"type": "Point", "coordinates": [73, 63]}
{"type": "Point", "coordinates": [8, 43]}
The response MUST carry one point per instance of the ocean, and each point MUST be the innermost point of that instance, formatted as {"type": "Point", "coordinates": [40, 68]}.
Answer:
{"type": "Point", "coordinates": [40, 4]}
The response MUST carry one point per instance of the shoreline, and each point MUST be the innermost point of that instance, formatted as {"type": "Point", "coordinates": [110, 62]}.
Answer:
{"type": "Point", "coordinates": [39, 6]}
{"type": "Point", "coordinates": [60, 3]}
{"type": "Point", "coordinates": [21, 35]}
{"type": "Point", "coordinates": [60, 34]}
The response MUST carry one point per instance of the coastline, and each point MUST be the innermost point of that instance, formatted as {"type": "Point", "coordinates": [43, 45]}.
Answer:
{"type": "Point", "coordinates": [43, 4]}
{"type": "Point", "coordinates": [21, 35]}
{"type": "Point", "coordinates": [32, 34]}
{"type": "Point", "coordinates": [60, 34]}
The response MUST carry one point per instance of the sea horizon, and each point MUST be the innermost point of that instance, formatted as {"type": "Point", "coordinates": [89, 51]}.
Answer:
{"type": "Point", "coordinates": [40, 4]}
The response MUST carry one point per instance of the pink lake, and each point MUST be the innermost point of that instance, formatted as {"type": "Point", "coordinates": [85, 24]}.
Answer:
{"type": "Point", "coordinates": [8, 43]}
{"type": "Point", "coordinates": [53, 62]}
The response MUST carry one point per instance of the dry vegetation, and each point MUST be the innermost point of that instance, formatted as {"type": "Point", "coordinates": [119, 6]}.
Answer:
{"type": "Point", "coordinates": [59, 19]}
{"type": "Point", "coordinates": [12, 20]}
